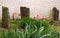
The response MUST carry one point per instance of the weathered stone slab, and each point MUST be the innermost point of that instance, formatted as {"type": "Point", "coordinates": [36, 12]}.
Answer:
{"type": "Point", "coordinates": [5, 17]}
{"type": "Point", "coordinates": [25, 12]}
{"type": "Point", "coordinates": [55, 14]}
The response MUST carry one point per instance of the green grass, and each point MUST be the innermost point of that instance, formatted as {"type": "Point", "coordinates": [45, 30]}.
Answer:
{"type": "Point", "coordinates": [32, 29]}
{"type": "Point", "coordinates": [31, 32]}
{"type": "Point", "coordinates": [14, 24]}
{"type": "Point", "coordinates": [56, 28]}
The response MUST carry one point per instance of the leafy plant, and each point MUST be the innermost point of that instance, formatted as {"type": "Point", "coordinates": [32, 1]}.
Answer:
{"type": "Point", "coordinates": [24, 21]}
{"type": "Point", "coordinates": [31, 29]}
{"type": "Point", "coordinates": [30, 32]}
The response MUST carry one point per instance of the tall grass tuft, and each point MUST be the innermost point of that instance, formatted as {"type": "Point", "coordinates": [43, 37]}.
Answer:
{"type": "Point", "coordinates": [31, 29]}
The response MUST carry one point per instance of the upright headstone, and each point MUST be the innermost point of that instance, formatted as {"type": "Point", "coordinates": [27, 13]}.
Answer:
{"type": "Point", "coordinates": [55, 14]}
{"type": "Point", "coordinates": [5, 17]}
{"type": "Point", "coordinates": [25, 12]}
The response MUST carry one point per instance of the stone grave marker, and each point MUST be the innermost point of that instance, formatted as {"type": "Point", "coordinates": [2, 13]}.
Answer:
{"type": "Point", "coordinates": [55, 14]}
{"type": "Point", "coordinates": [5, 17]}
{"type": "Point", "coordinates": [25, 12]}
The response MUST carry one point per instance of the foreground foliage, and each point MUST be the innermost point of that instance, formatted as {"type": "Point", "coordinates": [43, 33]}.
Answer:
{"type": "Point", "coordinates": [30, 32]}
{"type": "Point", "coordinates": [31, 29]}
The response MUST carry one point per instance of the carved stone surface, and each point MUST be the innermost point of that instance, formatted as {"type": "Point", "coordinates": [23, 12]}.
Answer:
{"type": "Point", "coordinates": [55, 14]}
{"type": "Point", "coordinates": [5, 17]}
{"type": "Point", "coordinates": [24, 12]}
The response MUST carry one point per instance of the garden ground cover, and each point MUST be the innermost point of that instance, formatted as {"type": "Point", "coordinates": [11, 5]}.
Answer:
{"type": "Point", "coordinates": [30, 29]}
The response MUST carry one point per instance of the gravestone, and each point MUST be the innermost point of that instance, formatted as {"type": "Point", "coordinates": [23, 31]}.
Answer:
{"type": "Point", "coordinates": [55, 17]}
{"type": "Point", "coordinates": [25, 12]}
{"type": "Point", "coordinates": [55, 14]}
{"type": "Point", "coordinates": [5, 17]}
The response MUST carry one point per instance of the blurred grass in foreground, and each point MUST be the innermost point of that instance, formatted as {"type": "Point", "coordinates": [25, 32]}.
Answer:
{"type": "Point", "coordinates": [14, 24]}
